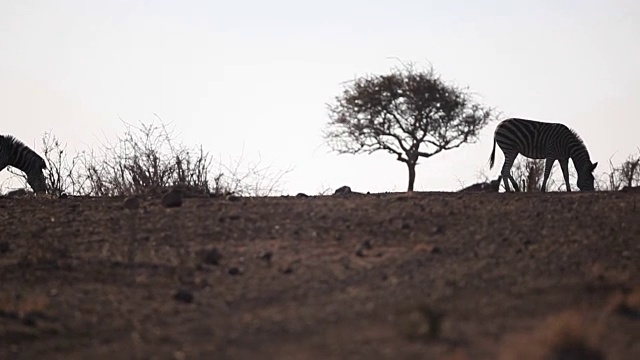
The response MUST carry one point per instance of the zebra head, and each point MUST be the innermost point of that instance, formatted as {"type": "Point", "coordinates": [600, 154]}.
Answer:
{"type": "Point", "coordinates": [15, 153]}
{"type": "Point", "coordinates": [585, 177]}
{"type": "Point", "coordinates": [35, 176]}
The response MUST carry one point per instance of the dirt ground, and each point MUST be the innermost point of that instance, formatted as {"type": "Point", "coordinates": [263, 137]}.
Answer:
{"type": "Point", "coordinates": [383, 276]}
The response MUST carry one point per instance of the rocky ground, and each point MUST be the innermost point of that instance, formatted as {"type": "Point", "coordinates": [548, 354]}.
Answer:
{"type": "Point", "coordinates": [389, 276]}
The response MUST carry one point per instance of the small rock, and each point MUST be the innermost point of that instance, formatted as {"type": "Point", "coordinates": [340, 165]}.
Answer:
{"type": "Point", "coordinates": [302, 195]}
{"type": "Point", "coordinates": [266, 256]}
{"type": "Point", "coordinates": [439, 229]}
{"type": "Point", "coordinates": [131, 203]}
{"type": "Point", "coordinates": [626, 254]}
{"type": "Point", "coordinates": [172, 199]}
{"type": "Point", "coordinates": [183, 296]}
{"type": "Point", "coordinates": [232, 198]}
{"type": "Point", "coordinates": [30, 320]}
{"type": "Point", "coordinates": [430, 248]}
{"type": "Point", "coordinates": [235, 271]}
{"type": "Point", "coordinates": [17, 193]}
{"type": "Point", "coordinates": [287, 270]}
{"type": "Point", "coordinates": [63, 196]}
{"type": "Point", "coordinates": [4, 247]}
{"type": "Point", "coordinates": [212, 257]}
{"type": "Point", "coordinates": [365, 245]}
{"type": "Point", "coordinates": [423, 323]}
{"type": "Point", "coordinates": [343, 190]}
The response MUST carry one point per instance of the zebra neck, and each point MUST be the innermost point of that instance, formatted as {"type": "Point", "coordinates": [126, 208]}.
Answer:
{"type": "Point", "coordinates": [581, 160]}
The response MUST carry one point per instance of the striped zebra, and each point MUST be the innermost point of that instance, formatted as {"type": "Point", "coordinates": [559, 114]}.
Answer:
{"type": "Point", "coordinates": [541, 140]}
{"type": "Point", "coordinates": [15, 153]}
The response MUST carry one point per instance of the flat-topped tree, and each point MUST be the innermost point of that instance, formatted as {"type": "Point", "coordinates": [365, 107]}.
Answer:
{"type": "Point", "coordinates": [410, 113]}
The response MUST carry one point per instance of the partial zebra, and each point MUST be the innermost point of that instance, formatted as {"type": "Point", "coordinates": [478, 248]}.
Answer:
{"type": "Point", "coordinates": [541, 140]}
{"type": "Point", "coordinates": [14, 152]}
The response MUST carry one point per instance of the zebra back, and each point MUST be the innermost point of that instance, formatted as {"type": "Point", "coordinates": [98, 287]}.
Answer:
{"type": "Point", "coordinates": [534, 138]}
{"type": "Point", "coordinates": [14, 152]}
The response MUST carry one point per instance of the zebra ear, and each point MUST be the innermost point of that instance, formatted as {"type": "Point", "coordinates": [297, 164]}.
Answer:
{"type": "Point", "coordinates": [593, 167]}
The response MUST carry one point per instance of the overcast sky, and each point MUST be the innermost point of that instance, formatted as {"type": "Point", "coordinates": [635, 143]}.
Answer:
{"type": "Point", "coordinates": [255, 76]}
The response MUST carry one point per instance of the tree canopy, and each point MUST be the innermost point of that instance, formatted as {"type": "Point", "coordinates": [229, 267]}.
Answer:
{"type": "Point", "coordinates": [409, 113]}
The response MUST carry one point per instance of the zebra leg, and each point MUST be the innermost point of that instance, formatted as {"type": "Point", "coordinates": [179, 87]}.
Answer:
{"type": "Point", "coordinates": [509, 158]}
{"type": "Point", "coordinates": [506, 184]}
{"type": "Point", "coordinates": [547, 171]}
{"type": "Point", "coordinates": [564, 165]}
{"type": "Point", "coordinates": [516, 187]}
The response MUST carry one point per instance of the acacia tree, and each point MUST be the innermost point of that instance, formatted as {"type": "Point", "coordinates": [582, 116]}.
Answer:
{"type": "Point", "coordinates": [409, 113]}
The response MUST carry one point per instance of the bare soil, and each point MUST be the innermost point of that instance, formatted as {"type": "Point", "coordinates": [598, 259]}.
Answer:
{"type": "Point", "coordinates": [382, 276]}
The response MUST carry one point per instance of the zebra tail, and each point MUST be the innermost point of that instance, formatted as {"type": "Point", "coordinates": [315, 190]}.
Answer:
{"type": "Point", "coordinates": [492, 159]}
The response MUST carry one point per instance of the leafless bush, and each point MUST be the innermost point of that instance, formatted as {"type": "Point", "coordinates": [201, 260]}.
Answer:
{"type": "Point", "coordinates": [252, 179]}
{"type": "Point", "coordinates": [626, 174]}
{"type": "Point", "coordinates": [145, 159]}
{"type": "Point", "coordinates": [528, 173]}
{"type": "Point", "coordinates": [61, 171]}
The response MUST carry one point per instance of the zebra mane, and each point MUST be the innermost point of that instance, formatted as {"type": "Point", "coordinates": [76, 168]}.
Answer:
{"type": "Point", "coordinates": [11, 142]}
{"type": "Point", "coordinates": [579, 138]}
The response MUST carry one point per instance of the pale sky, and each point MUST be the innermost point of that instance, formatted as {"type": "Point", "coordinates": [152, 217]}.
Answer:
{"type": "Point", "coordinates": [256, 75]}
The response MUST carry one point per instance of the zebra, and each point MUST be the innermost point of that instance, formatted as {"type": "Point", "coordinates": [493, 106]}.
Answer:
{"type": "Point", "coordinates": [542, 140]}
{"type": "Point", "coordinates": [14, 152]}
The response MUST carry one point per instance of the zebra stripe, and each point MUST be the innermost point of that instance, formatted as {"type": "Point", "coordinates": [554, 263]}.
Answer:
{"type": "Point", "coordinates": [541, 140]}
{"type": "Point", "coordinates": [15, 153]}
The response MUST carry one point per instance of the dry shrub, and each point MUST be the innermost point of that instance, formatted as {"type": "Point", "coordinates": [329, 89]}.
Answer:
{"type": "Point", "coordinates": [148, 160]}
{"type": "Point", "coordinates": [529, 174]}
{"type": "Point", "coordinates": [239, 177]}
{"type": "Point", "coordinates": [145, 158]}
{"type": "Point", "coordinates": [626, 174]}
{"type": "Point", "coordinates": [61, 169]}
{"type": "Point", "coordinates": [565, 336]}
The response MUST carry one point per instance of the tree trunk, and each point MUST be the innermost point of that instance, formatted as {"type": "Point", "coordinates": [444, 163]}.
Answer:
{"type": "Point", "coordinates": [412, 174]}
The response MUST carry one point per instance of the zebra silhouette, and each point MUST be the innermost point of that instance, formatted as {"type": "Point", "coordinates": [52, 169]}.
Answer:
{"type": "Point", "coordinates": [542, 140]}
{"type": "Point", "coordinates": [14, 152]}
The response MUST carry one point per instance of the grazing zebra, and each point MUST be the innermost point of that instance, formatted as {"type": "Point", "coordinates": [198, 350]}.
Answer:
{"type": "Point", "coordinates": [14, 152]}
{"type": "Point", "coordinates": [540, 140]}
